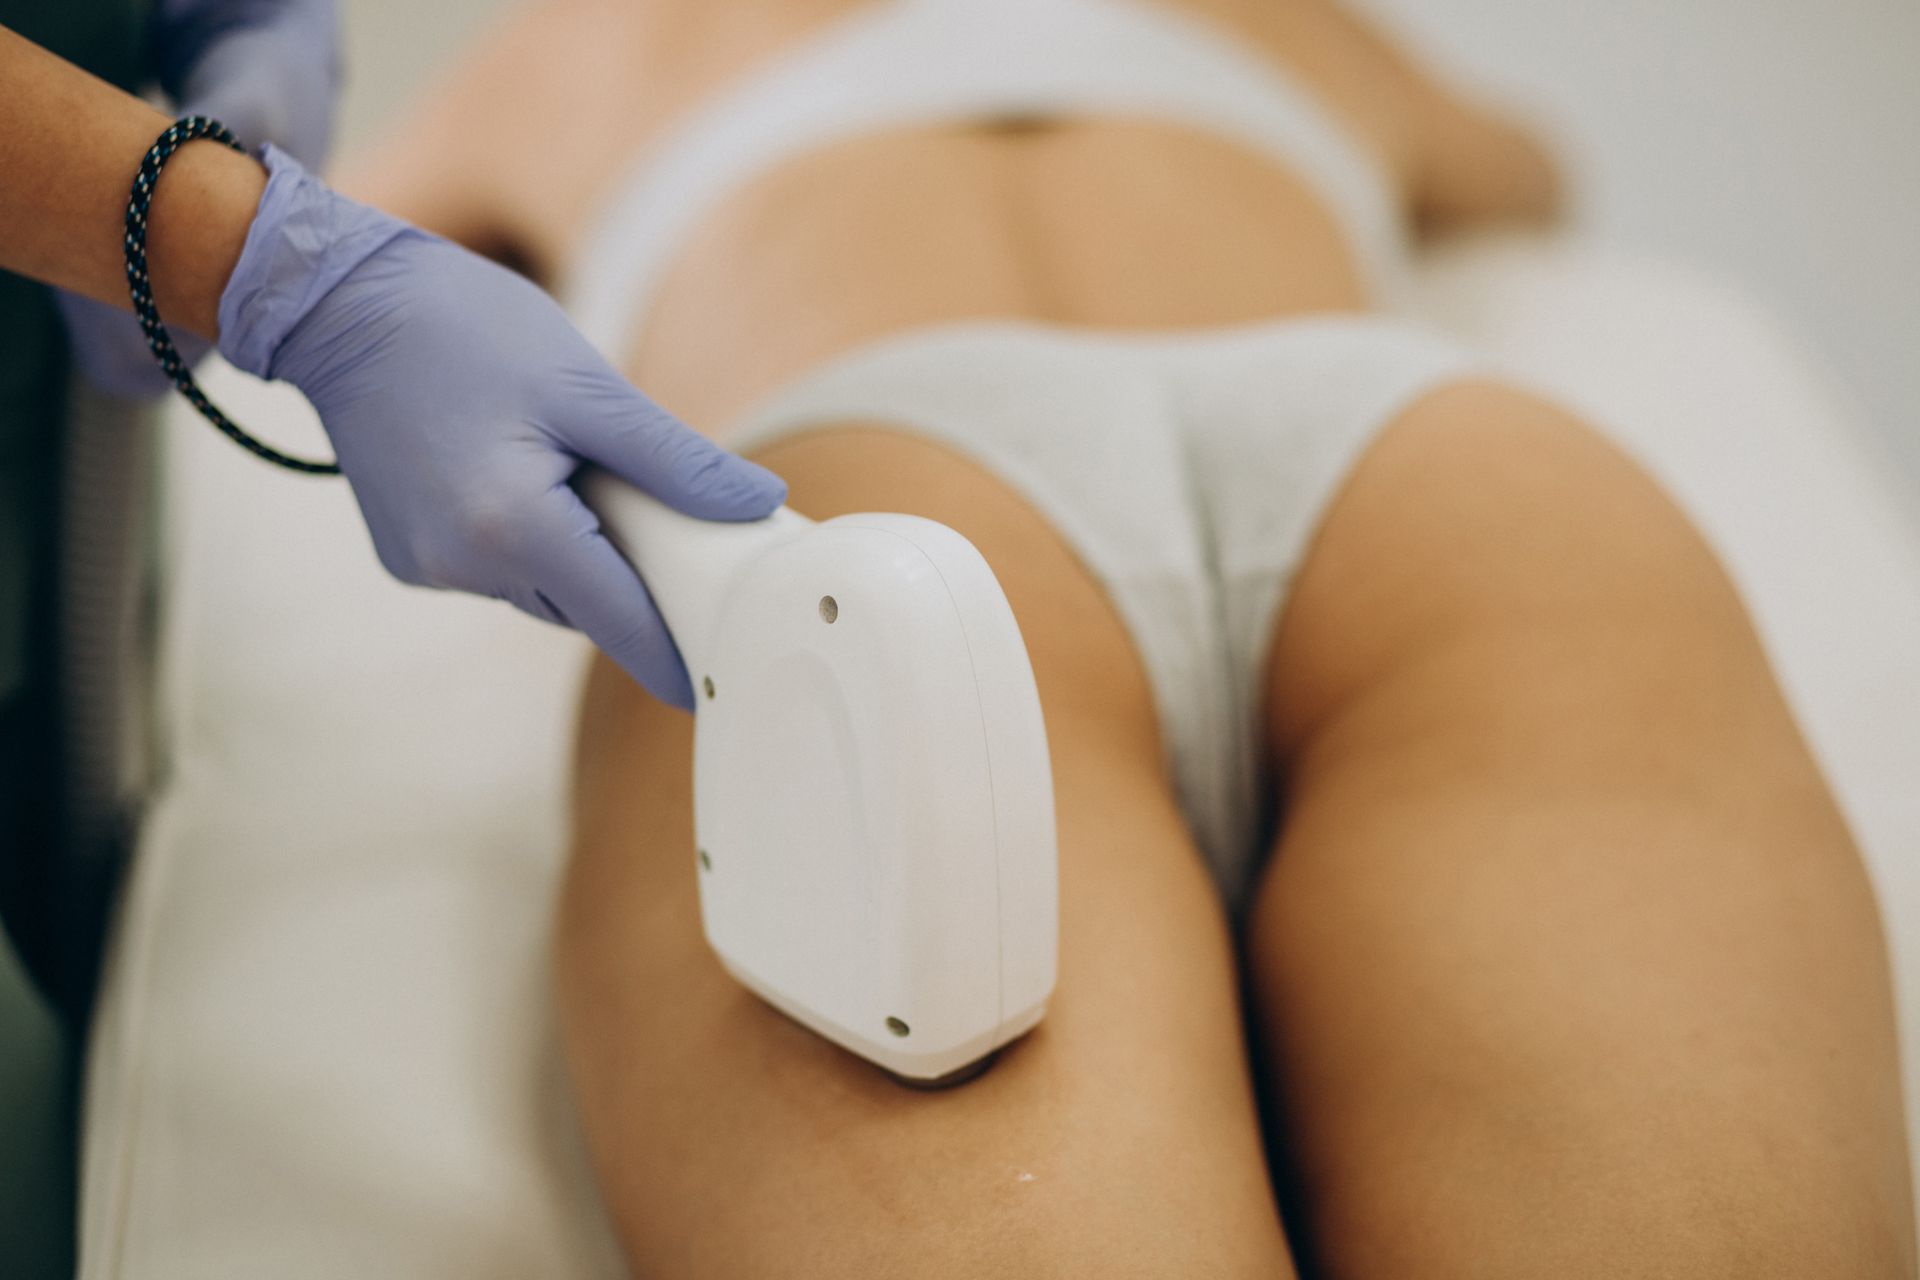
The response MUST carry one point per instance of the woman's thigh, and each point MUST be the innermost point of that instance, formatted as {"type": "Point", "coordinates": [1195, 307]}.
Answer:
{"type": "Point", "coordinates": [1565, 962]}
{"type": "Point", "coordinates": [1119, 1138]}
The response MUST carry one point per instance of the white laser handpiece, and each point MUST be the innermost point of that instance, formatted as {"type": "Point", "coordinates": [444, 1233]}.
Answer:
{"type": "Point", "coordinates": [873, 800]}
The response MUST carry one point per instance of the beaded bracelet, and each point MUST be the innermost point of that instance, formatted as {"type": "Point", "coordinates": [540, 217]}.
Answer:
{"type": "Point", "coordinates": [178, 134]}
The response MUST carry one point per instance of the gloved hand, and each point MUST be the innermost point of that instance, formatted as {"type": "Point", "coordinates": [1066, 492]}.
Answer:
{"type": "Point", "coordinates": [267, 69]}
{"type": "Point", "coordinates": [460, 401]}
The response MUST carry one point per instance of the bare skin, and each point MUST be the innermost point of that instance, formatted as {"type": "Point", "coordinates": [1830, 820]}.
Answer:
{"type": "Point", "coordinates": [1129, 1110]}
{"type": "Point", "coordinates": [70, 147]}
{"type": "Point", "coordinates": [1564, 964]}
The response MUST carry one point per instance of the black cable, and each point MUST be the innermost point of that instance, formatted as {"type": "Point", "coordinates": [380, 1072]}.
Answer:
{"type": "Point", "coordinates": [178, 134]}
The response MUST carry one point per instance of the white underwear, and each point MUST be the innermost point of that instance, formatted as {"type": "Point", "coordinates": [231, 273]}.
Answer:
{"type": "Point", "coordinates": [1187, 471]}
{"type": "Point", "coordinates": [898, 64]}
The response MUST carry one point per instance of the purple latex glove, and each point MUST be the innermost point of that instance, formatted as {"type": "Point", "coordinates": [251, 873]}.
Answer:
{"type": "Point", "coordinates": [267, 69]}
{"type": "Point", "coordinates": [460, 401]}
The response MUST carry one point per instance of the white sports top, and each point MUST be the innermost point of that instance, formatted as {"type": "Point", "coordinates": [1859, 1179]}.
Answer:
{"type": "Point", "coordinates": [928, 62]}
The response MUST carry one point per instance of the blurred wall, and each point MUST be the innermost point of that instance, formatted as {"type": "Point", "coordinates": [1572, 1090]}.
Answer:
{"type": "Point", "coordinates": [1775, 143]}
{"type": "Point", "coordinates": [1772, 142]}
{"type": "Point", "coordinates": [395, 48]}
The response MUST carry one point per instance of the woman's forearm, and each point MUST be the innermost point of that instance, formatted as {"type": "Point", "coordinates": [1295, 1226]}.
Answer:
{"type": "Point", "coordinates": [69, 147]}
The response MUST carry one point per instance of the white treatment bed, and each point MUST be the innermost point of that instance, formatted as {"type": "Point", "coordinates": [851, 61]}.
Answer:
{"type": "Point", "coordinates": [324, 1046]}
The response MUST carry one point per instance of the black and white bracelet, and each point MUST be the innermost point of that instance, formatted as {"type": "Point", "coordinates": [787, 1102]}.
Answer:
{"type": "Point", "coordinates": [178, 134]}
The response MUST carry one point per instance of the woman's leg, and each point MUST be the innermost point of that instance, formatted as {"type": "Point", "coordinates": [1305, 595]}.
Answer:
{"type": "Point", "coordinates": [1118, 1139]}
{"type": "Point", "coordinates": [1565, 963]}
